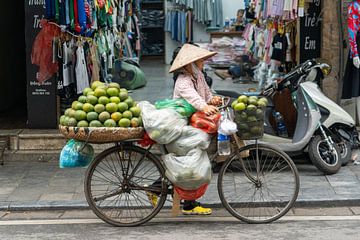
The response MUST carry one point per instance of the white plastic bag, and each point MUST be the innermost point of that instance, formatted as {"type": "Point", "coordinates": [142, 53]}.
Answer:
{"type": "Point", "coordinates": [164, 125]}
{"type": "Point", "coordinates": [227, 125]}
{"type": "Point", "coordinates": [190, 138]}
{"type": "Point", "coordinates": [188, 172]}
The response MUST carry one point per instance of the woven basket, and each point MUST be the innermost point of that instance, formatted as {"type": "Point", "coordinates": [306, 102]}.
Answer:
{"type": "Point", "coordinates": [250, 129]}
{"type": "Point", "coordinates": [101, 134]}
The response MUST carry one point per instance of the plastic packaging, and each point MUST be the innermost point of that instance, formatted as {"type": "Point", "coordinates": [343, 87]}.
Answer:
{"type": "Point", "coordinates": [190, 138]}
{"type": "Point", "coordinates": [42, 51]}
{"type": "Point", "coordinates": [180, 105]}
{"type": "Point", "coordinates": [76, 154]}
{"type": "Point", "coordinates": [164, 125]}
{"type": "Point", "coordinates": [208, 124]}
{"type": "Point", "coordinates": [189, 172]}
{"type": "Point", "coordinates": [191, 194]}
{"type": "Point", "coordinates": [280, 124]}
{"type": "Point", "coordinates": [227, 125]}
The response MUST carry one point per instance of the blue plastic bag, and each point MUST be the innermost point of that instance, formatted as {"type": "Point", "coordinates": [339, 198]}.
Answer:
{"type": "Point", "coordinates": [76, 154]}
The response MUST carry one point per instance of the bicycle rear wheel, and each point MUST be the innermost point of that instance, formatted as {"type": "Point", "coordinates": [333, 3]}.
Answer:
{"type": "Point", "coordinates": [125, 186]}
{"type": "Point", "coordinates": [263, 195]}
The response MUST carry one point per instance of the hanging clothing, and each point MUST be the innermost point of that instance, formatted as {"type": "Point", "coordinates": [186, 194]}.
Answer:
{"type": "Point", "coordinates": [353, 26]}
{"type": "Point", "coordinates": [279, 48]}
{"type": "Point", "coordinates": [67, 68]}
{"type": "Point", "coordinates": [351, 80]}
{"type": "Point", "coordinates": [82, 78]}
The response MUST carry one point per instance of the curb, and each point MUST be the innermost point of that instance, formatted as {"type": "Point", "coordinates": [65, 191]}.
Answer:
{"type": "Point", "coordinates": [81, 205]}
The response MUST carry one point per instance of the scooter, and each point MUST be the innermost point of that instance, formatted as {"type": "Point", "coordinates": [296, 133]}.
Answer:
{"type": "Point", "coordinates": [311, 134]}
{"type": "Point", "coordinates": [333, 117]}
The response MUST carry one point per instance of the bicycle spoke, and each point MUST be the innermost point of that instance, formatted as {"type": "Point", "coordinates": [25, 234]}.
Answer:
{"type": "Point", "coordinates": [264, 190]}
{"type": "Point", "coordinates": [118, 185]}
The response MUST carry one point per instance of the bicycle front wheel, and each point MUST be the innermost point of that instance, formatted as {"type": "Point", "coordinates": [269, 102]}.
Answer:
{"type": "Point", "coordinates": [125, 186]}
{"type": "Point", "coordinates": [258, 184]}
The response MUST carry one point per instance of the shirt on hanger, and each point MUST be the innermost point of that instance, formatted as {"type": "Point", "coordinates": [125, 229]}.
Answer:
{"type": "Point", "coordinates": [353, 26]}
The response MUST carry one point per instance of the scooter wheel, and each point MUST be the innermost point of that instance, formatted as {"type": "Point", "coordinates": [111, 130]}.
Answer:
{"type": "Point", "coordinates": [322, 157]}
{"type": "Point", "coordinates": [345, 152]}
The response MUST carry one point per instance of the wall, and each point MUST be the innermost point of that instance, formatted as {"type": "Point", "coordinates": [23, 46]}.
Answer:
{"type": "Point", "coordinates": [230, 8]}
{"type": "Point", "coordinates": [331, 40]}
{"type": "Point", "coordinates": [12, 58]}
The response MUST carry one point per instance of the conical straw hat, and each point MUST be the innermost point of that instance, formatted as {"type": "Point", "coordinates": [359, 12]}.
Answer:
{"type": "Point", "coordinates": [189, 54]}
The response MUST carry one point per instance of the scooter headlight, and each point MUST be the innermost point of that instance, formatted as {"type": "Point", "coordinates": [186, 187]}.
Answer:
{"type": "Point", "coordinates": [326, 69]}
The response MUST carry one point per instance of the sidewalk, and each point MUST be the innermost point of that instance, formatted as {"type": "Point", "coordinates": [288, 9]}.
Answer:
{"type": "Point", "coordinates": [42, 185]}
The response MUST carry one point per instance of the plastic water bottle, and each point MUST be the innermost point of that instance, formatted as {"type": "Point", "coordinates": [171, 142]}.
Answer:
{"type": "Point", "coordinates": [227, 24]}
{"type": "Point", "coordinates": [280, 124]}
{"type": "Point", "coordinates": [223, 145]}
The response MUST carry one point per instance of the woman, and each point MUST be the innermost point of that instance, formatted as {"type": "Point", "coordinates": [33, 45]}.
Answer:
{"type": "Point", "coordinates": [191, 85]}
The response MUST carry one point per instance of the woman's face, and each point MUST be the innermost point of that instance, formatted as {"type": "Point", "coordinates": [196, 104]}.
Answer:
{"type": "Point", "coordinates": [200, 64]}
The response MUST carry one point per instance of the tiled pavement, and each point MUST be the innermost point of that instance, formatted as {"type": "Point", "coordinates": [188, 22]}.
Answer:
{"type": "Point", "coordinates": [42, 185]}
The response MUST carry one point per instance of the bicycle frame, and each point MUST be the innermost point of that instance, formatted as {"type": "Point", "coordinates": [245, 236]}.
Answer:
{"type": "Point", "coordinates": [247, 173]}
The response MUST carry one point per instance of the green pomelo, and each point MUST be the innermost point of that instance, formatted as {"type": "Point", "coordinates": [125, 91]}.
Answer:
{"type": "Point", "coordinates": [129, 101]}
{"type": "Point", "coordinates": [116, 116]}
{"type": "Point", "coordinates": [112, 92]}
{"type": "Point", "coordinates": [136, 111]}
{"type": "Point", "coordinates": [240, 106]}
{"type": "Point", "coordinates": [115, 100]}
{"type": "Point", "coordinates": [123, 95]}
{"type": "Point", "coordinates": [110, 123]}
{"type": "Point", "coordinates": [243, 99]}
{"type": "Point", "coordinates": [96, 84]}
{"type": "Point", "coordinates": [91, 116]}
{"type": "Point", "coordinates": [72, 122]}
{"type": "Point", "coordinates": [82, 99]}
{"type": "Point", "coordinates": [99, 108]}
{"type": "Point", "coordinates": [83, 123]}
{"type": "Point", "coordinates": [62, 120]}
{"type": "Point", "coordinates": [114, 85]}
{"type": "Point", "coordinates": [111, 107]}
{"type": "Point", "coordinates": [104, 100]}
{"type": "Point", "coordinates": [87, 107]}
{"type": "Point", "coordinates": [127, 114]}
{"type": "Point", "coordinates": [99, 92]}
{"type": "Point", "coordinates": [124, 122]}
{"type": "Point", "coordinates": [95, 123]}
{"type": "Point", "coordinates": [73, 105]}
{"type": "Point", "coordinates": [104, 116]}
{"type": "Point", "coordinates": [252, 101]}
{"type": "Point", "coordinates": [122, 107]}
{"type": "Point", "coordinates": [91, 99]}
{"type": "Point", "coordinates": [134, 122]}
{"type": "Point", "coordinates": [86, 91]}
{"type": "Point", "coordinates": [80, 115]}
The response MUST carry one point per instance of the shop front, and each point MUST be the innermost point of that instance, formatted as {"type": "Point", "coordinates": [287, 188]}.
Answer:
{"type": "Point", "coordinates": [280, 36]}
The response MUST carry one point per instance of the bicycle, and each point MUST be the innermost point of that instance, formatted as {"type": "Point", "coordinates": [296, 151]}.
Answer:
{"type": "Point", "coordinates": [256, 184]}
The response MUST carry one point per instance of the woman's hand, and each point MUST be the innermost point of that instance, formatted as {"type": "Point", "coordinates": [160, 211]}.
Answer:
{"type": "Point", "coordinates": [216, 101]}
{"type": "Point", "coordinates": [210, 110]}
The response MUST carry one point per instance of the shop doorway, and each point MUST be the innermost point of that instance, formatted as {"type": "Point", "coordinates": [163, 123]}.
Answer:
{"type": "Point", "coordinates": [152, 19]}
{"type": "Point", "coordinates": [13, 100]}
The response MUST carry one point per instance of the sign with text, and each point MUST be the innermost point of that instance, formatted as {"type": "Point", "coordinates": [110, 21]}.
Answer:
{"type": "Point", "coordinates": [310, 32]}
{"type": "Point", "coordinates": [41, 98]}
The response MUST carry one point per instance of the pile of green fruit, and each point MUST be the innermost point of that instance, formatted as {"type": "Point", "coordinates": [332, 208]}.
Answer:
{"type": "Point", "coordinates": [103, 105]}
{"type": "Point", "coordinates": [249, 116]}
